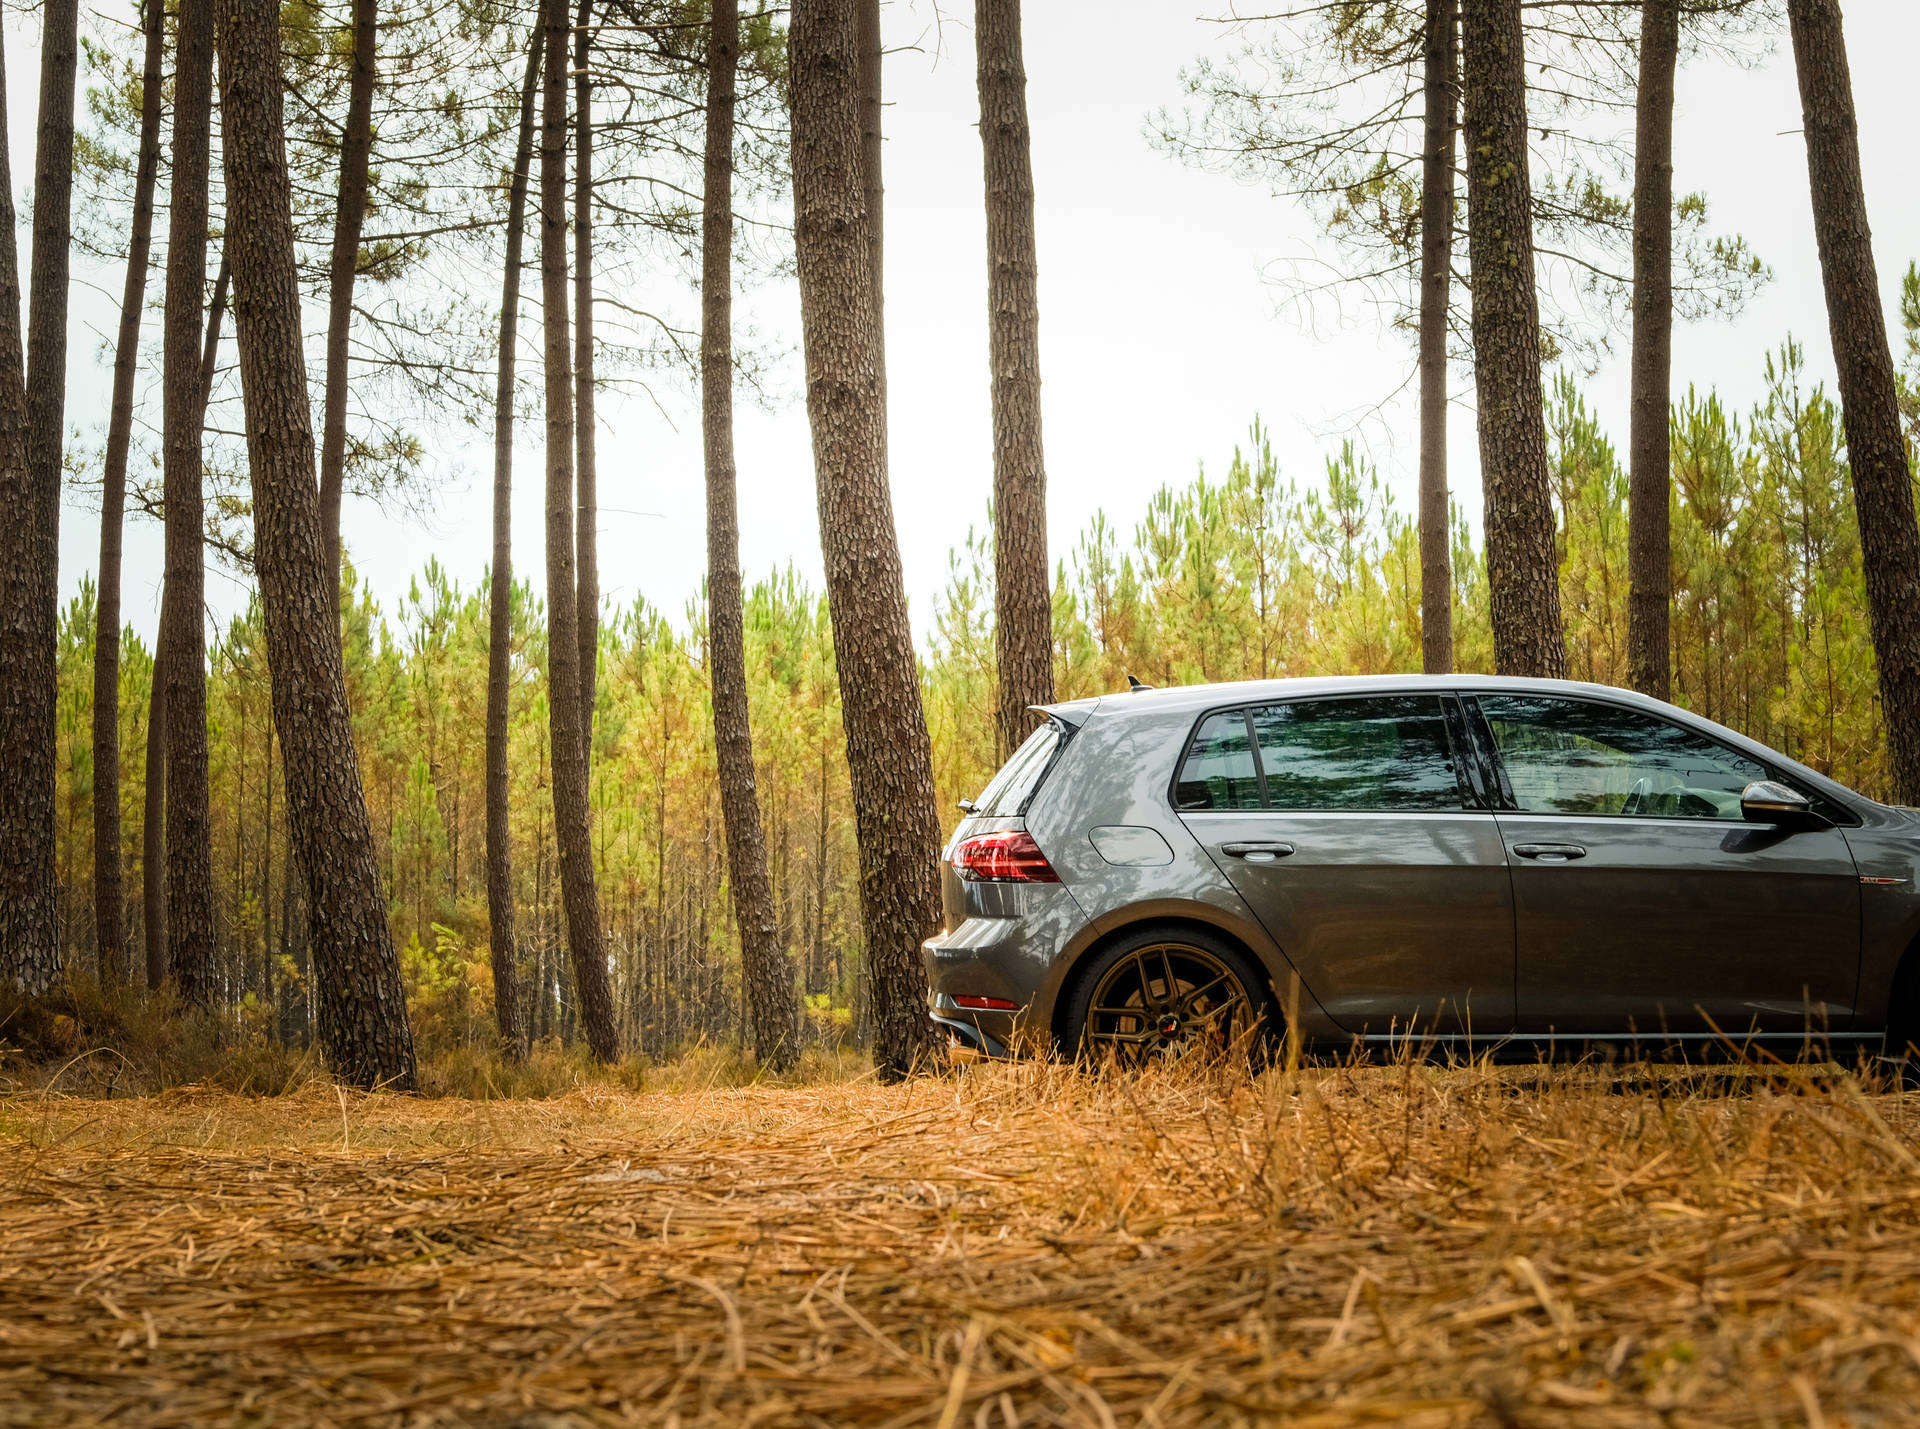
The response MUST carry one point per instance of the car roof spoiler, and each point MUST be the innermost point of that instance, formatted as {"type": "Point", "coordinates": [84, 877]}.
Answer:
{"type": "Point", "coordinates": [1072, 714]}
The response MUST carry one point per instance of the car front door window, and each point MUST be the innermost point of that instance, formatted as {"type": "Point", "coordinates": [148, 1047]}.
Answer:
{"type": "Point", "coordinates": [1581, 758]}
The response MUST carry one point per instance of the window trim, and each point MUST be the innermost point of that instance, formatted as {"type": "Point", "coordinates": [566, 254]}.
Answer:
{"type": "Point", "coordinates": [1509, 804]}
{"type": "Point", "coordinates": [1470, 802]}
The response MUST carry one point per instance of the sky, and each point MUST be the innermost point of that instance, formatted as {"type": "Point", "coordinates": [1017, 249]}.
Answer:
{"type": "Point", "coordinates": [1161, 334]}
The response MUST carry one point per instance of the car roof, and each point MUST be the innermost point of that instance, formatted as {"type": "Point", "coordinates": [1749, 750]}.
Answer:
{"type": "Point", "coordinates": [1177, 698]}
{"type": "Point", "coordinates": [1192, 699]}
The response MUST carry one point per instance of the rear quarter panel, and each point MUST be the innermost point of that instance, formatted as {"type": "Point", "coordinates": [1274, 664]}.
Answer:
{"type": "Point", "coordinates": [1116, 772]}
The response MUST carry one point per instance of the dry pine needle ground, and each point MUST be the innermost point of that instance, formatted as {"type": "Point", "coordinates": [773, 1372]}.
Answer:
{"type": "Point", "coordinates": [1012, 1245]}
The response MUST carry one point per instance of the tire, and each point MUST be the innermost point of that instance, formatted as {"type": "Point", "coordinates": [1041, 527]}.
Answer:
{"type": "Point", "coordinates": [1119, 1008]}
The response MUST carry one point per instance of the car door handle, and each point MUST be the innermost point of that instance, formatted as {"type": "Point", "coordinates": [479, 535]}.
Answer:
{"type": "Point", "coordinates": [1550, 853]}
{"type": "Point", "coordinates": [1257, 853]}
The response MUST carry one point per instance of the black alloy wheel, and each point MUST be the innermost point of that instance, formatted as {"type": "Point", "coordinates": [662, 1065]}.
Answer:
{"type": "Point", "coordinates": [1165, 996]}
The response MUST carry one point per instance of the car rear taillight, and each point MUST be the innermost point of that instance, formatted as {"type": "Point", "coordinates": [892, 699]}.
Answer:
{"type": "Point", "coordinates": [1003, 858]}
{"type": "Point", "coordinates": [986, 1004]}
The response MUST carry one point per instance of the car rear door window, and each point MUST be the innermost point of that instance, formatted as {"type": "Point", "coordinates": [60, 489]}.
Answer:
{"type": "Point", "coordinates": [1219, 772]}
{"type": "Point", "coordinates": [1567, 756]}
{"type": "Point", "coordinates": [1384, 753]}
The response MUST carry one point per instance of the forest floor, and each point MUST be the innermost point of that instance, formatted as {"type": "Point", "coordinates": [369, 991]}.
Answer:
{"type": "Point", "coordinates": [1411, 1244]}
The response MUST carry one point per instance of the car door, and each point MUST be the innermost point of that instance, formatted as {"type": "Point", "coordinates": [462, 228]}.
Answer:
{"type": "Point", "coordinates": [1343, 823]}
{"type": "Point", "coordinates": [1642, 899]}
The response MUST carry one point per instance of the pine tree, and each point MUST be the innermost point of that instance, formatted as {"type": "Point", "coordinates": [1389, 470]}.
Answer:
{"type": "Point", "coordinates": [1521, 574]}
{"type": "Point", "coordinates": [363, 1017]}
{"type": "Point", "coordinates": [765, 967]}
{"type": "Point", "coordinates": [1023, 601]}
{"type": "Point", "coordinates": [888, 751]}
{"type": "Point", "coordinates": [1876, 450]}
{"type": "Point", "coordinates": [500, 901]}
{"type": "Point", "coordinates": [109, 896]}
{"type": "Point", "coordinates": [572, 810]}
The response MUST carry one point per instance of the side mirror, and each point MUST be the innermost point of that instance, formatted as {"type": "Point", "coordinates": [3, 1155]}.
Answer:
{"type": "Point", "coordinates": [1766, 801]}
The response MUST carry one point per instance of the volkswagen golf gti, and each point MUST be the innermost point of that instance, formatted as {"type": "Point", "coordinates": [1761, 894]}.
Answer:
{"type": "Point", "coordinates": [1457, 860]}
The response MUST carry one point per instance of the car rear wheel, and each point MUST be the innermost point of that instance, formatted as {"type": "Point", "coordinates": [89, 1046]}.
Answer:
{"type": "Point", "coordinates": [1163, 993]}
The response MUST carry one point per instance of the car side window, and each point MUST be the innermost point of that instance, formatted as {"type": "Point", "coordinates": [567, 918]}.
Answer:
{"type": "Point", "coordinates": [1219, 772]}
{"type": "Point", "coordinates": [1386, 752]}
{"type": "Point", "coordinates": [1567, 756]}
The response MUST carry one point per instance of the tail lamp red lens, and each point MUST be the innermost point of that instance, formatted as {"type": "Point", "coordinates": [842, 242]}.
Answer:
{"type": "Point", "coordinates": [986, 1004]}
{"type": "Point", "coordinates": [1003, 858]}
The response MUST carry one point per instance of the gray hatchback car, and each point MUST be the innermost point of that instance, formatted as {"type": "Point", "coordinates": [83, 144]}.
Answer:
{"type": "Point", "coordinates": [1474, 860]}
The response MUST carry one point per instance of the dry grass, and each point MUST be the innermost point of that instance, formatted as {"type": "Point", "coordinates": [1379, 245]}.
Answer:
{"type": "Point", "coordinates": [1021, 1245]}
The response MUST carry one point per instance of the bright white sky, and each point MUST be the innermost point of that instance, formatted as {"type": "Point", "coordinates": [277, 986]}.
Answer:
{"type": "Point", "coordinates": [1160, 340]}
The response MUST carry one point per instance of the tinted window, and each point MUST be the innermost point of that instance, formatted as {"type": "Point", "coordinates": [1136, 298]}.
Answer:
{"type": "Point", "coordinates": [1219, 772]}
{"type": "Point", "coordinates": [1020, 776]}
{"type": "Point", "coordinates": [1389, 752]}
{"type": "Point", "coordinates": [1572, 757]}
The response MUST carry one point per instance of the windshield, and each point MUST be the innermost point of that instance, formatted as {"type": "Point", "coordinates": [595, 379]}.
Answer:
{"type": "Point", "coordinates": [1020, 776]}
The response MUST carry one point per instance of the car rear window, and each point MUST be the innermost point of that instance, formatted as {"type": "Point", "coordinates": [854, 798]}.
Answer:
{"type": "Point", "coordinates": [1020, 776]}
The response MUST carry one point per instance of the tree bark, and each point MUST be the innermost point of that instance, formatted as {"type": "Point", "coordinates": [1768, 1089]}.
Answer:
{"type": "Point", "coordinates": [586, 476]}
{"type": "Point", "coordinates": [1523, 578]}
{"type": "Point", "coordinates": [872, 167]}
{"type": "Point", "coordinates": [153, 840]}
{"type": "Point", "coordinates": [363, 1017]}
{"type": "Point", "coordinates": [1876, 454]}
{"type": "Point", "coordinates": [1649, 451]}
{"type": "Point", "coordinates": [29, 954]}
{"type": "Point", "coordinates": [888, 752]}
{"type": "Point", "coordinates": [30, 505]}
{"type": "Point", "coordinates": [109, 888]}
{"type": "Point", "coordinates": [768, 970]}
{"type": "Point", "coordinates": [189, 833]}
{"type": "Point", "coordinates": [572, 812]}
{"type": "Point", "coordinates": [349, 214]}
{"type": "Point", "coordinates": [500, 905]}
{"type": "Point", "coordinates": [1442, 91]}
{"type": "Point", "coordinates": [1023, 599]}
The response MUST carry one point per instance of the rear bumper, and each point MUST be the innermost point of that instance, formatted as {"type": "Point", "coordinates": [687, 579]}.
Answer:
{"type": "Point", "coordinates": [974, 1034]}
{"type": "Point", "coordinates": [1007, 947]}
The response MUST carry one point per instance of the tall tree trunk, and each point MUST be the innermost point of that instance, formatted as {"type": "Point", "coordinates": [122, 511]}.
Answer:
{"type": "Point", "coordinates": [888, 752]}
{"type": "Point", "coordinates": [872, 166]}
{"type": "Point", "coordinates": [189, 832]}
{"type": "Point", "coordinates": [350, 211]}
{"type": "Point", "coordinates": [769, 972]}
{"type": "Point", "coordinates": [1523, 577]}
{"type": "Point", "coordinates": [363, 1016]}
{"type": "Point", "coordinates": [1023, 601]}
{"type": "Point", "coordinates": [109, 891]}
{"type": "Point", "coordinates": [153, 839]}
{"type": "Point", "coordinates": [1442, 92]}
{"type": "Point", "coordinates": [586, 476]}
{"type": "Point", "coordinates": [1882, 485]}
{"type": "Point", "coordinates": [500, 909]}
{"type": "Point", "coordinates": [1649, 450]}
{"type": "Point", "coordinates": [30, 449]}
{"type": "Point", "coordinates": [572, 812]}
